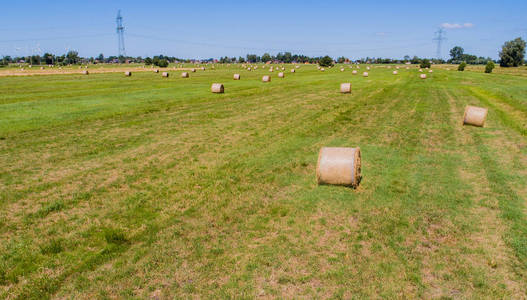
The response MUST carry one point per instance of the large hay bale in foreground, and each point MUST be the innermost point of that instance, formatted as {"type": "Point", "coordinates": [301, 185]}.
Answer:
{"type": "Point", "coordinates": [339, 166]}
{"type": "Point", "coordinates": [236, 77]}
{"type": "Point", "coordinates": [266, 78]}
{"type": "Point", "coordinates": [365, 74]}
{"type": "Point", "coordinates": [184, 75]}
{"type": "Point", "coordinates": [475, 116]}
{"type": "Point", "coordinates": [165, 74]}
{"type": "Point", "coordinates": [422, 76]}
{"type": "Point", "coordinates": [345, 88]}
{"type": "Point", "coordinates": [281, 75]}
{"type": "Point", "coordinates": [127, 73]}
{"type": "Point", "coordinates": [217, 88]}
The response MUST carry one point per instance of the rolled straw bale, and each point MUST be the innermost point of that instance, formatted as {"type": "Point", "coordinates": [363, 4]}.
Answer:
{"type": "Point", "coordinates": [394, 72]}
{"type": "Point", "coordinates": [85, 72]}
{"type": "Point", "coordinates": [420, 70]}
{"type": "Point", "coordinates": [407, 68]}
{"type": "Point", "coordinates": [423, 76]}
{"type": "Point", "coordinates": [217, 88]}
{"type": "Point", "coordinates": [430, 71]}
{"type": "Point", "coordinates": [322, 69]}
{"type": "Point", "coordinates": [236, 77]}
{"type": "Point", "coordinates": [248, 69]}
{"type": "Point", "coordinates": [339, 166]}
{"type": "Point", "coordinates": [475, 116]}
{"type": "Point", "coordinates": [354, 72]}
{"type": "Point", "coordinates": [345, 88]}
{"type": "Point", "coordinates": [397, 68]}
{"type": "Point", "coordinates": [365, 74]}
{"type": "Point", "coordinates": [156, 71]}
{"type": "Point", "coordinates": [293, 70]}
{"type": "Point", "coordinates": [368, 68]}
{"type": "Point", "coordinates": [193, 70]}
{"type": "Point", "coordinates": [184, 75]}
{"type": "Point", "coordinates": [42, 68]}
{"type": "Point", "coordinates": [318, 67]}
{"type": "Point", "coordinates": [281, 75]}
{"type": "Point", "coordinates": [165, 74]}
{"type": "Point", "coordinates": [342, 69]}
{"type": "Point", "coordinates": [296, 67]}
{"type": "Point", "coordinates": [127, 73]}
{"type": "Point", "coordinates": [203, 68]}
{"type": "Point", "coordinates": [283, 68]}
{"type": "Point", "coordinates": [266, 78]}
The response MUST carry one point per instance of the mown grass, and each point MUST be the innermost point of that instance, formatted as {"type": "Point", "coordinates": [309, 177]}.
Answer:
{"type": "Point", "coordinates": [144, 186]}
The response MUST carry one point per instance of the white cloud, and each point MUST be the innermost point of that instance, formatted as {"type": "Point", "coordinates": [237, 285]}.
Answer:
{"type": "Point", "coordinates": [456, 25]}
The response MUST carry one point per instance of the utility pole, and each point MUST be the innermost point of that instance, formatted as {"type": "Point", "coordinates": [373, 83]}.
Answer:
{"type": "Point", "coordinates": [120, 34]}
{"type": "Point", "coordinates": [439, 38]}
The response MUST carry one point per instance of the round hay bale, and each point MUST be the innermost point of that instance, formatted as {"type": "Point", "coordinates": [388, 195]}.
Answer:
{"type": "Point", "coordinates": [156, 71]}
{"type": "Point", "coordinates": [217, 88]}
{"type": "Point", "coordinates": [339, 166]}
{"type": "Point", "coordinates": [475, 116]}
{"type": "Point", "coordinates": [422, 76]}
{"type": "Point", "coordinates": [430, 71]}
{"type": "Point", "coordinates": [270, 69]}
{"type": "Point", "coordinates": [293, 70]}
{"type": "Point", "coordinates": [420, 70]}
{"type": "Point", "coordinates": [281, 75]}
{"type": "Point", "coordinates": [342, 69]}
{"type": "Point", "coordinates": [184, 75]}
{"type": "Point", "coordinates": [394, 72]}
{"type": "Point", "coordinates": [407, 68]}
{"type": "Point", "coordinates": [165, 74]}
{"type": "Point", "coordinates": [368, 68]}
{"type": "Point", "coordinates": [193, 70]}
{"type": "Point", "coordinates": [397, 68]}
{"type": "Point", "coordinates": [202, 68]}
{"type": "Point", "coordinates": [345, 88]}
{"type": "Point", "coordinates": [318, 67]}
{"type": "Point", "coordinates": [266, 78]}
{"type": "Point", "coordinates": [354, 72]}
{"type": "Point", "coordinates": [365, 74]}
{"type": "Point", "coordinates": [283, 68]}
{"type": "Point", "coordinates": [236, 77]}
{"type": "Point", "coordinates": [322, 69]}
{"type": "Point", "coordinates": [85, 72]}
{"type": "Point", "coordinates": [296, 67]}
{"type": "Point", "coordinates": [127, 73]}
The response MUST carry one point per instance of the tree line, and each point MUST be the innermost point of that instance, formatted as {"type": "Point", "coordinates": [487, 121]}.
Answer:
{"type": "Point", "coordinates": [512, 54]}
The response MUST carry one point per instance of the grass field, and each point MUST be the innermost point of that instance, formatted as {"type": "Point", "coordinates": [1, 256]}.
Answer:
{"type": "Point", "coordinates": [143, 186]}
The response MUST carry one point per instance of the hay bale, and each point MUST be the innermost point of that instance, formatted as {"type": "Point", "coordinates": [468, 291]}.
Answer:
{"type": "Point", "coordinates": [322, 69]}
{"type": "Point", "coordinates": [193, 70]}
{"type": "Point", "coordinates": [270, 69]}
{"type": "Point", "coordinates": [293, 70]}
{"type": "Point", "coordinates": [345, 88]}
{"type": "Point", "coordinates": [430, 71]}
{"type": "Point", "coordinates": [422, 76]}
{"type": "Point", "coordinates": [127, 73]}
{"type": "Point", "coordinates": [281, 75]}
{"type": "Point", "coordinates": [342, 69]}
{"type": "Point", "coordinates": [236, 77]}
{"type": "Point", "coordinates": [354, 72]}
{"type": "Point", "coordinates": [296, 67]}
{"type": "Point", "coordinates": [397, 68]}
{"type": "Point", "coordinates": [165, 74]}
{"type": "Point", "coordinates": [156, 71]}
{"type": "Point", "coordinates": [85, 72]}
{"type": "Point", "coordinates": [339, 166]}
{"type": "Point", "coordinates": [184, 75]}
{"type": "Point", "coordinates": [217, 88]}
{"type": "Point", "coordinates": [42, 68]}
{"type": "Point", "coordinates": [202, 68]}
{"type": "Point", "coordinates": [475, 116]}
{"type": "Point", "coordinates": [365, 74]}
{"type": "Point", "coordinates": [368, 68]}
{"type": "Point", "coordinates": [394, 72]}
{"type": "Point", "coordinates": [266, 78]}
{"type": "Point", "coordinates": [407, 68]}
{"type": "Point", "coordinates": [420, 70]}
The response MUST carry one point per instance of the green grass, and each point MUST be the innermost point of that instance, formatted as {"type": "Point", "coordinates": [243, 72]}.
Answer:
{"type": "Point", "coordinates": [142, 186]}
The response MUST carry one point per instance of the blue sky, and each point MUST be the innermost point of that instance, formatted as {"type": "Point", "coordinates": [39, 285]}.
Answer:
{"type": "Point", "coordinates": [205, 28]}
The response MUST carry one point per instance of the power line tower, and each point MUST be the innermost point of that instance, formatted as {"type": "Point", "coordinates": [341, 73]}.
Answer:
{"type": "Point", "coordinates": [439, 38]}
{"type": "Point", "coordinates": [120, 34]}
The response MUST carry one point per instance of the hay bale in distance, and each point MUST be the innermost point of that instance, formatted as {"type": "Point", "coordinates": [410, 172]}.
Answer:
{"type": "Point", "coordinates": [423, 76]}
{"type": "Point", "coordinates": [281, 75]}
{"type": "Point", "coordinates": [354, 72]}
{"type": "Point", "coordinates": [368, 68]}
{"type": "Point", "coordinates": [345, 88]}
{"type": "Point", "coordinates": [266, 78]}
{"type": "Point", "coordinates": [365, 74]}
{"type": "Point", "coordinates": [339, 166]}
{"type": "Point", "coordinates": [430, 71]}
{"type": "Point", "coordinates": [156, 71]}
{"type": "Point", "coordinates": [342, 69]}
{"type": "Point", "coordinates": [193, 70]}
{"type": "Point", "coordinates": [85, 72]}
{"type": "Point", "coordinates": [236, 77]}
{"type": "Point", "coordinates": [394, 72]}
{"type": "Point", "coordinates": [127, 73]}
{"type": "Point", "coordinates": [420, 70]}
{"type": "Point", "coordinates": [165, 74]}
{"type": "Point", "coordinates": [217, 88]}
{"type": "Point", "coordinates": [184, 75]}
{"type": "Point", "coordinates": [293, 70]}
{"type": "Point", "coordinates": [475, 116]}
{"type": "Point", "coordinates": [322, 69]}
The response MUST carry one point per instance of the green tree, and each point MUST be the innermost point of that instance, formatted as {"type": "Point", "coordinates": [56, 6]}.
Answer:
{"type": "Point", "coordinates": [457, 54]}
{"type": "Point", "coordinates": [489, 66]}
{"type": "Point", "coordinates": [241, 59]}
{"type": "Point", "coordinates": [341, 60]}
{"type": "Point", "coordinates": [266, 57]}
{"type": "Point", "coordinates": [72, 57]}
{"type": "Point", "coordinates": [162, 63]}
{"type": "Point", "coordinates": [326, 61]}
{"type": "Point", "coordinates": [148, 61]}
{"type": "Point", "coordinates": [425, 63]}
{"type": "Point", "coordinates": [462, 66]}
{"type": "Point", "coordinates": [512, 53]}
{"type": "Point", "coordinates": [100, 57]}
